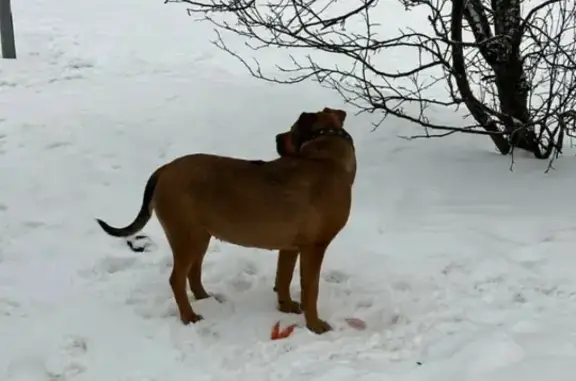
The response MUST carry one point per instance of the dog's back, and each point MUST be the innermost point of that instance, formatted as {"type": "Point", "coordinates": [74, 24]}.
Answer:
{"type": "Point", "coordinates": [270, 205]}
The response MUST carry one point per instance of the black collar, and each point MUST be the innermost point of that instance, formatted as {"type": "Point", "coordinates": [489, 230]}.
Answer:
{"type": "Point", "coordinates": [328, 131]}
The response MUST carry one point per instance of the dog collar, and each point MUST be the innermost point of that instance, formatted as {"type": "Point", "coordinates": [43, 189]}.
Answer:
{"type": "Point", "coordinates": [328, 131]}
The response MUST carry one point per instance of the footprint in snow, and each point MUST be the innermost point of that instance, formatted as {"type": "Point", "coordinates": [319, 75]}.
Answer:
{"type": "Point", "coordinates": [244, 278]}
{"type": "Point", "coordinates": [250, 268]}
{"type": "Point", "coordinates": [401, 286]}
{"type": "Point", "coordinates": [108, 266]}
{"type": "Point", "coordinates": [68, 373]}
{"type": "Point", "coordinates": [79, 63]}
{"type": "Point", "coordinates": [33, 224]}
{"type": "Point", "coordinates": [365, 303]}
{"type": "Point", "coordinates": [113, 265]}
{"type": "Point", "coordinates": [75, 346]}
{"type": "Point", "coordinates": [27, 368]}
{"type": "Point", "coordinates": [336, 276]}
{"type": "Point", "coordinates": [242, 281]}
{"type": "Point", "coordinates": [8, 306]}
{"type": "Point", "coordinates": [57, 145]}
{"type": "Point", "coordinates": [68, 363]}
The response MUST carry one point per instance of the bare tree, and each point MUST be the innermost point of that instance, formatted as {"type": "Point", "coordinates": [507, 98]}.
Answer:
{"type": "Point", "coordinates": [511, 63]}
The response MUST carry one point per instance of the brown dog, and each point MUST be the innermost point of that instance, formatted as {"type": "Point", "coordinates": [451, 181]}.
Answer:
{"type": "Point", "coordinates": [296, 204]}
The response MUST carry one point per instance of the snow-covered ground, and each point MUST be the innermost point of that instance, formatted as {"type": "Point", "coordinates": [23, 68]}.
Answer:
{"type": "Point", "coordinates": [461, 269]}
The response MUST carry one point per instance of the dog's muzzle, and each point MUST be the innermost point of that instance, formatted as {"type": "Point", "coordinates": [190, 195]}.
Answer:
{"type": "Point", "coordinates": [281, 144]}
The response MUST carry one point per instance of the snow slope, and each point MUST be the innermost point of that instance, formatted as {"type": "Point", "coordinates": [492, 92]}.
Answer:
{"type": "Point", "coordinates": [462, 269]}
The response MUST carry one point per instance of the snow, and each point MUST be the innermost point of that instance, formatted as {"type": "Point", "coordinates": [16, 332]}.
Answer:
{"type": "Point", "coordinates": [461, 268]}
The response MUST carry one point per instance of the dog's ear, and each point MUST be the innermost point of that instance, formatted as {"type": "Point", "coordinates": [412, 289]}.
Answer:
{"type": "Point", "coordinates": [340, 114]}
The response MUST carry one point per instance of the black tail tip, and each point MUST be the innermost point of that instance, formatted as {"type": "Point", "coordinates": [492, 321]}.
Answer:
{"type": "Point", "coordinates": [102, 224]}
{"type": "Point", "coordinates": [107, 228]}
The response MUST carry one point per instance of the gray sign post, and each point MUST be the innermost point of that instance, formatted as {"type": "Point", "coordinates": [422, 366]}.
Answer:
{"type": "Point", "coordinates": [7, 30]}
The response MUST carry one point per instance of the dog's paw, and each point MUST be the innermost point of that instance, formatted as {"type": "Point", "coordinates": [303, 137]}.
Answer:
{"type": "Point", "coordinates": [290, 307]}
{"type": "Point", "coordinates": [318, 326]}
{"type": "Point", "coordinates": [191, 318]}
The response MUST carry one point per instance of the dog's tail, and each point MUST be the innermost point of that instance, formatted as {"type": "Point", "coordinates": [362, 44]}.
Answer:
{"type": "Point", "coordinates": [144, 214]}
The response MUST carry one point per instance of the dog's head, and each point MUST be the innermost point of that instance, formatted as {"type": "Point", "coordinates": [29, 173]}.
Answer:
{"type": "Point", "coordinates": [309, 126]}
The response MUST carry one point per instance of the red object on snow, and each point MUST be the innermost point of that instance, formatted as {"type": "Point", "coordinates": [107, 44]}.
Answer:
{"type": "Point", "coordinates": [356, 323]}
{"type": "Point", "coordinates": [278, 334]}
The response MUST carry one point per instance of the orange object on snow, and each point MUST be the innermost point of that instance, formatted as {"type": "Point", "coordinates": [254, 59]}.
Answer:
{"type": "Point", "coordinates": [278, 334]}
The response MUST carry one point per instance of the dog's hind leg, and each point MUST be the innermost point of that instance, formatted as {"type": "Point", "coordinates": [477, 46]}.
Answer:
{"type": "Point", "coordinates": [185, 249]}
{"type": "Point", "coordinates": [284, 272]}
{"type": "Point", "coordinates": [195, 273]}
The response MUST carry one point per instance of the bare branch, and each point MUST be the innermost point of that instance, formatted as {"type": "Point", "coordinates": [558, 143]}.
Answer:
{"type": "Point", "coordinates": [513, 69]}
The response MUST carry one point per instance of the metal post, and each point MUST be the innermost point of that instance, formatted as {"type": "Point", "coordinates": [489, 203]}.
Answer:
{"type": "Point", "coordinates": [7, 30]}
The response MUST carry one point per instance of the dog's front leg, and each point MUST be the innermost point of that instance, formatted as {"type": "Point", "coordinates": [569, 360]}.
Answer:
{"type": "Point", "coordinates": [310, 265]}
{"type": "Point", "coordinates": [284, 272]}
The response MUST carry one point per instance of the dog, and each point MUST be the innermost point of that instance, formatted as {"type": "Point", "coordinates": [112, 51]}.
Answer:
{"type": "Point", "coordinates": [295, 204]}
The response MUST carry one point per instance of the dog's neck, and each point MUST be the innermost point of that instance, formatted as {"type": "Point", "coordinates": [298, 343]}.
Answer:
{"type": "Point", "coordinates": [335, 145]}
{"type": "Point", "coordinates": [328, 131]}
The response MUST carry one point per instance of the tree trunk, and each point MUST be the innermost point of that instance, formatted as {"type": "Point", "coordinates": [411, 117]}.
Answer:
{"type": "Point", "coordinates": [458, 63]}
